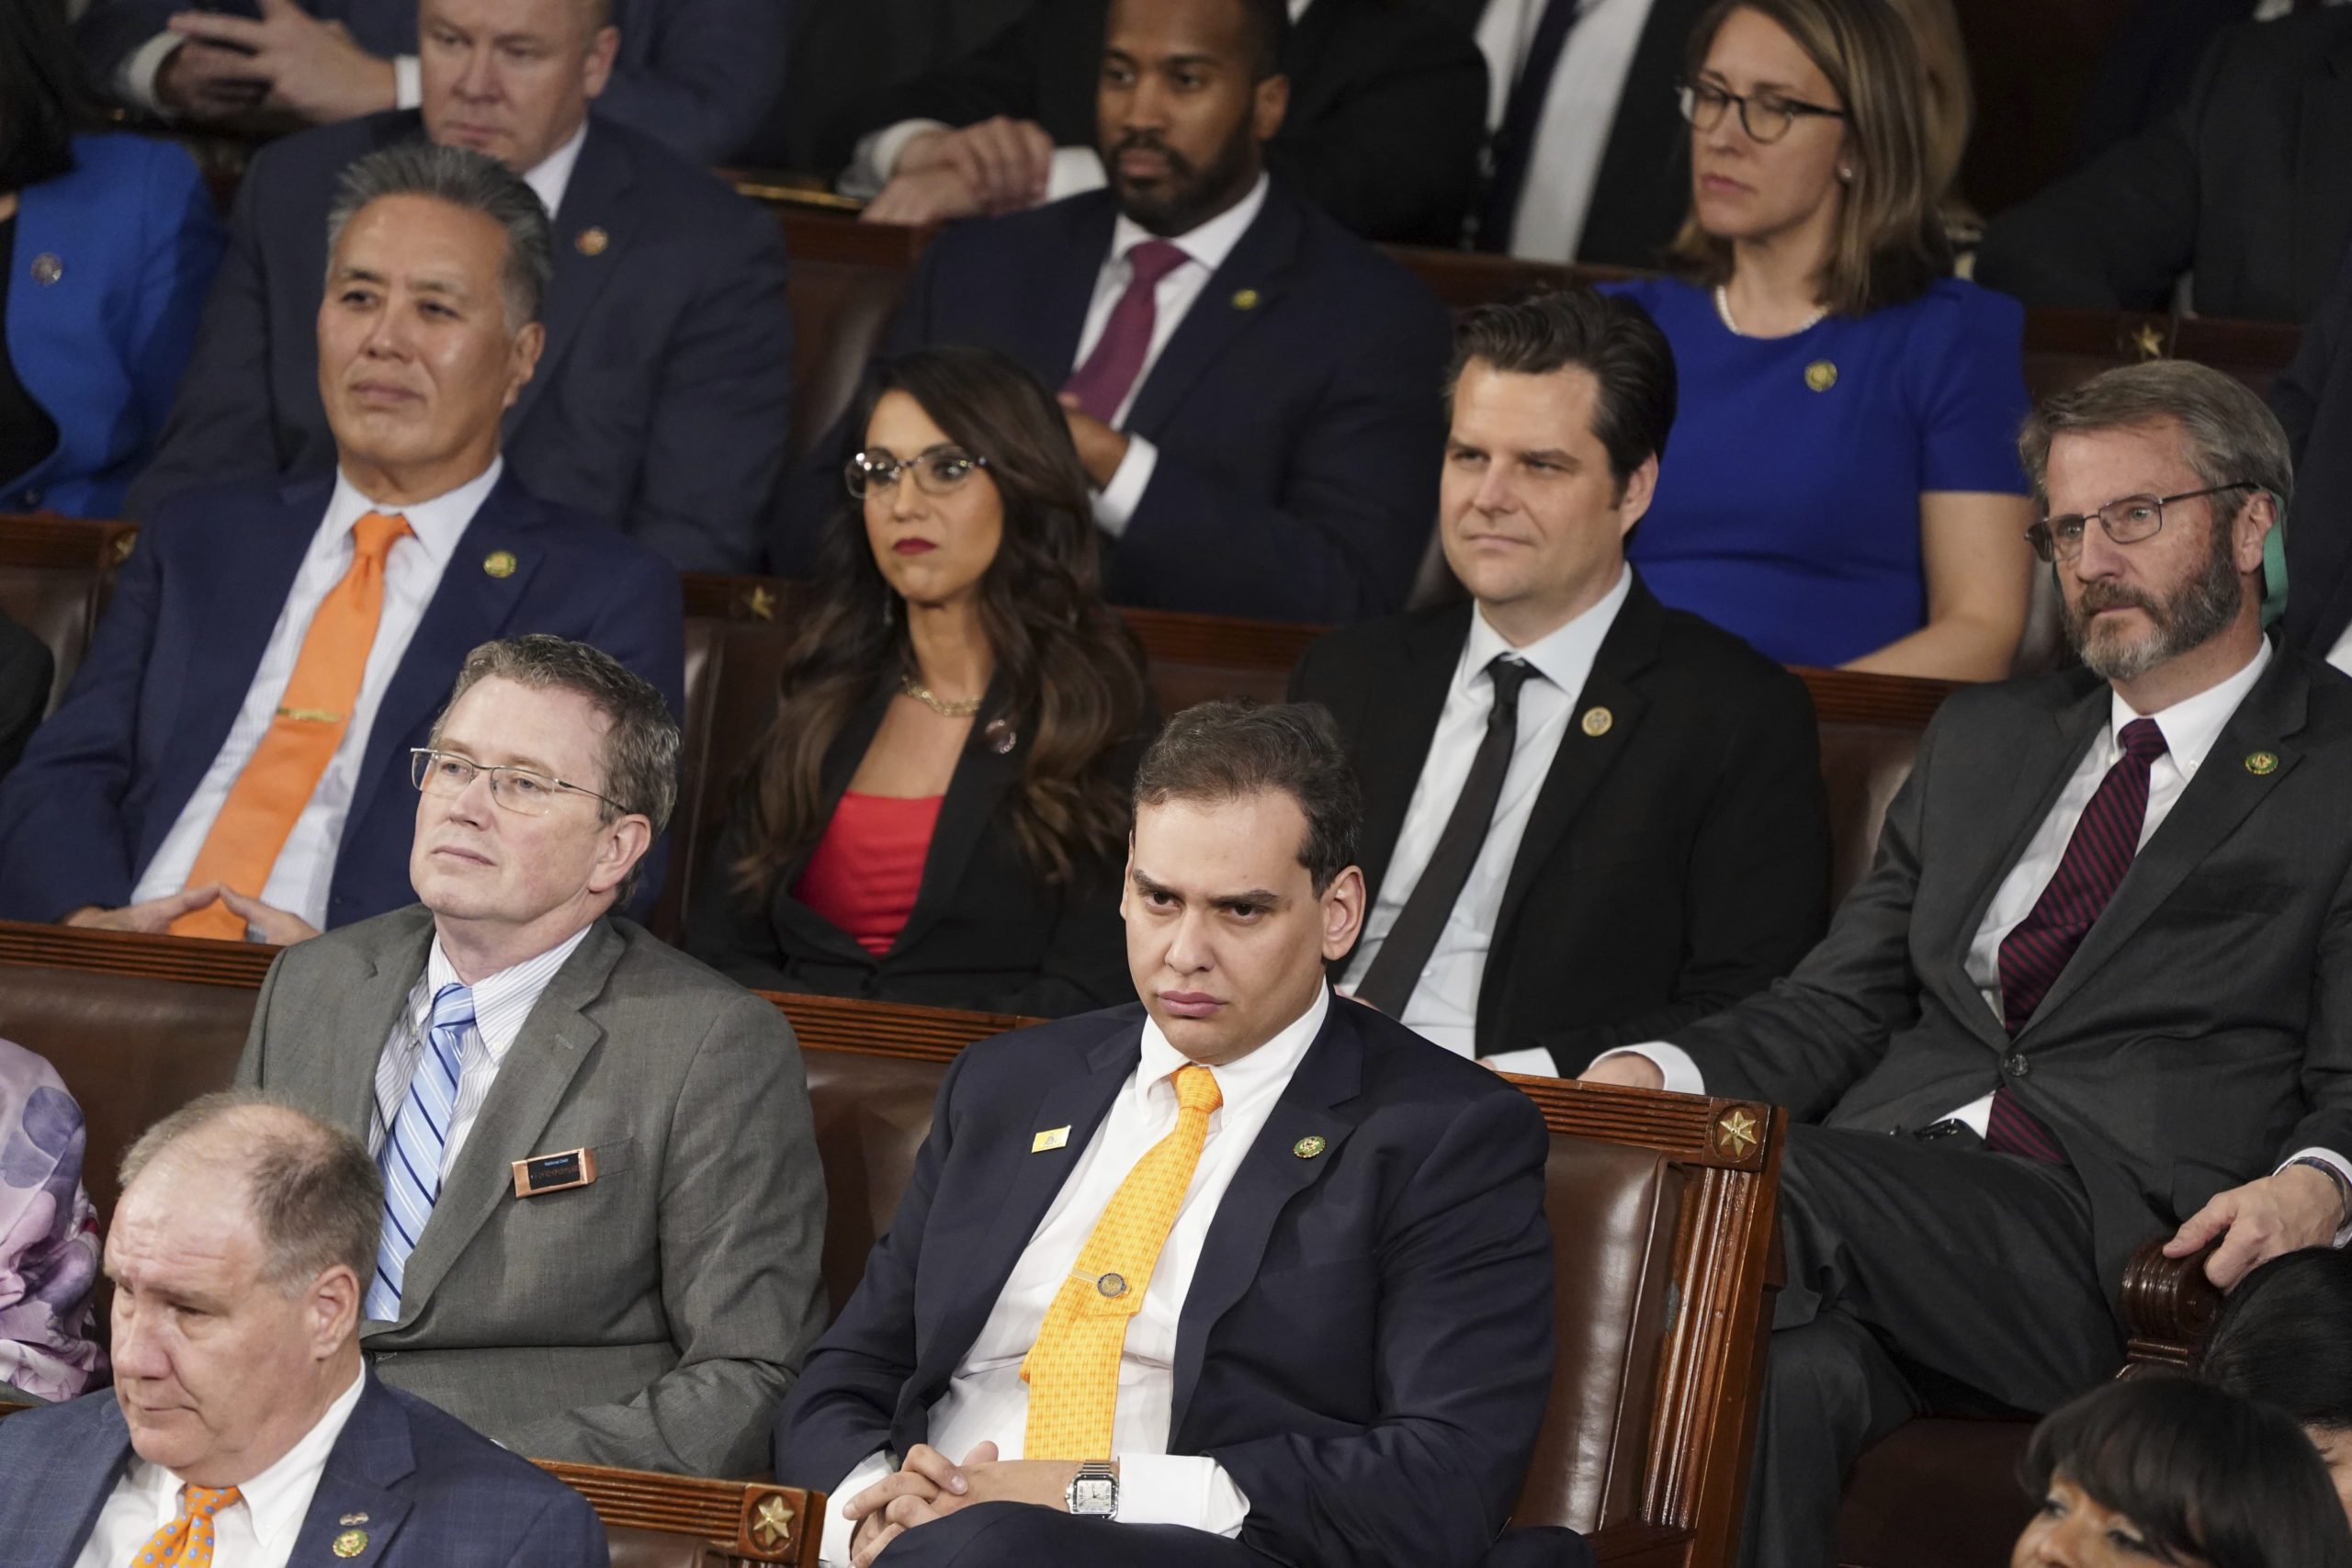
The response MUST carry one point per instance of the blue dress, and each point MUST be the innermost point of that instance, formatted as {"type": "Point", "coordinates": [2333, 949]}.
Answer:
{"type": "Point", "coordinates": [1787, 498]}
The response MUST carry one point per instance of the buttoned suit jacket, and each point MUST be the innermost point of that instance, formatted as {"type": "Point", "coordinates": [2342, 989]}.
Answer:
{"type": "Point", "coordinates": [1672, 863]}
{"type": "Point", "coordinates": [658, 406]}
{"type": "Point", "coordinates": [428, 1492]}
{"type": "Point", "coordinates": [2200, 1034]}
{"type": "Point", "coordinates": [652, 1318]}
{"type": "Point", "coordinates": [1366, 1345]}
{"type": "Point", "coordinates": [1295, 407]}
{"type": "Point", "coordinates": [104, 780]}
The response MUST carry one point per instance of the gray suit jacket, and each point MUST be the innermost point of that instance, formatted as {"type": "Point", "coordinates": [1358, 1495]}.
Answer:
{"type": "Point", "coordinates": [654, 1319]}
{"type": "Point", "coordinates": [2200, 1034]}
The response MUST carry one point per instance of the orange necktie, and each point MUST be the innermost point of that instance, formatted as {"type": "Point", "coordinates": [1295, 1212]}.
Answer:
{"type": "Point", "coordinates": [186, 1541]}
{"type": "Point", "coordinates": [285, 769]}
{"type": "Point", "coordinates": [1073, 1369]}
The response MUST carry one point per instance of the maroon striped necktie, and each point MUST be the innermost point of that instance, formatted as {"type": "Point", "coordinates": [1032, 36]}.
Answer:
{"type": "Point", "coordinates": [2035, 952]}
{"type": "Point", "coordinates": [1102, 384]}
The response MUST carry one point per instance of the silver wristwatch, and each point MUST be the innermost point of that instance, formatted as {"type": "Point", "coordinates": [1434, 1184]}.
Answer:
{"type": "Point", "coordinates": [1093, 1492]}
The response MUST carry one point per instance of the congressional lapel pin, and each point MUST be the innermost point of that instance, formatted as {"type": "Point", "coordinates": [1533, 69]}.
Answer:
{"type": "Point", "coordinates": [1596, 722]}
{"type": "Point", "coordinates": [1245, 299]}
{"type": "Point", "coordinates": [499, 563]}
{"type": "Point", "coordinates": [542, 1174]}
{"type": "Point", "coordinates": [1821, 375]}
{"type": "Point", "coordinates": [593, 241]}
{"type": "Point", "coordinates": [1051, 1138]}
{"type": "Point", "coordinates": [353, 1519]}
{"type": "Point", "coordinates": [1309, 1147]}
{"type": "Point", "coordinates": [47, 269]}
{"type": "Point", "coordinates": [2262, 764]}
{"type": "Point", "coordinates": [351, 1543]}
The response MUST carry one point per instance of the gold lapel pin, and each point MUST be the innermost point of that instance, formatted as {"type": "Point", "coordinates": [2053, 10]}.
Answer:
{"type": "Point", "coordinates": [2262, 764]}
{"type": "Point", "coordinates": [47, 269]}
{"type": "Point", "coordinates": [353, 1519]}
{"type": "Point", "coordinates": [1309, 1147]}
{"type": "Point", "coordinates": [1596, 722]}
{"type": "Point", "coordinates": [1051, 1138]}
{"type": "Point", "coordinates": [499, 563]}
{"type": "Point", "coordinates": [1245, 299]}
{"type": "Point", "coordinates": [1821, 375]}
{"type": "Point", "coordinates": [593, 241]}
{"type": "Point", "coordinates": [351, 1543]}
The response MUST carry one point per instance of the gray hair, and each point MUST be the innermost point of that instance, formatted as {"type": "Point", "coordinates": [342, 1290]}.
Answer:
{"type": "Point", "coordinates": [464, 178]}
{"type": "Point", "coordinates": [640, 757]}
{"type": "Point", "coordinates": [2233, 438]}
{"type": "Point", "coordinates": [315, 1196]}
{"type": "Point", "coordinates": [1231, 749]}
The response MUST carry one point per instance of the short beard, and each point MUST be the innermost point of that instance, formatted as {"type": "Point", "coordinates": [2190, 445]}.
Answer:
{"type": "Point", "coordinates": [2190, 617]}
{"type": "Point", "coordinates": [1190, 195]}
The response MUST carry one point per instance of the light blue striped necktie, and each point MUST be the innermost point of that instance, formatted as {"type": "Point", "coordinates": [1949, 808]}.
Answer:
{"type": "Point", "coordinates": [411, 1157]}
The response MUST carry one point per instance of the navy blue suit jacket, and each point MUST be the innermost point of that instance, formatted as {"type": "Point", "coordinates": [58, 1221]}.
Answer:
{"type": "Point", "coordinates": [1296, 407]}
{"type": "Point", "coordinates": [1366, 1346]}
{"type": "Point", "coordinates": [436, 1493]}
{"type": "Point", "coordinates": [661, 404]}
{"type": "Point", "coordinates": [103, 781]}
{"type": "Point", "coordinates": [697, 75]}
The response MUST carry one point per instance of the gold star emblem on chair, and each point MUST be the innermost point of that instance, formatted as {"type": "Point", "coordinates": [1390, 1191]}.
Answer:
{"type": "Point", "coordinates": [1735, 1134]}
{"type": "Point", "coordinates": [761, 603]}
{"type": "Point", "coordinates": [2148, 342]}
{"type": "Point", "coordinates": [770, 1523]}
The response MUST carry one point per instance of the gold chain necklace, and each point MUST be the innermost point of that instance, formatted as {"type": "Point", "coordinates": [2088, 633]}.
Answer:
{"type": "Point", "coordinates": [962, 708]}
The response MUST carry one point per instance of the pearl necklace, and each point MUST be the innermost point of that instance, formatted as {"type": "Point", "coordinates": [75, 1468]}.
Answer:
{"type": "Point", "coordinates": [1723, 309]}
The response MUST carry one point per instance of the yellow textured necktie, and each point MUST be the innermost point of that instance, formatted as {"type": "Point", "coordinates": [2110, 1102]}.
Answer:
{"type": "Point", "coordinates": [186, 1541]}
{"type": "Point", "coordinates": [280, 778]}
{"type": "Point", "coordinates": [1073, 1369]}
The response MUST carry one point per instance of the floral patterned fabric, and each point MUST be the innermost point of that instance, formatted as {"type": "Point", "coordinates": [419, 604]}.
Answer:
{"type": "Point", "coordinates": [49, 1233]}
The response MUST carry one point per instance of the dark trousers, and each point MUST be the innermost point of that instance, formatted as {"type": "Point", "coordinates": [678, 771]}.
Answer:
{"type": "Point", "coordinates": [1021, 1535]}
{"type": "Point", "coordinates": [1920, 1274]}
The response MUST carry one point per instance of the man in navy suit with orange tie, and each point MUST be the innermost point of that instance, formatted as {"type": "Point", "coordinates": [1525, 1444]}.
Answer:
{"type": "Point", "coordinates": [233, 756]}
{"type": "Point", "coordinates": [1245, 1272]}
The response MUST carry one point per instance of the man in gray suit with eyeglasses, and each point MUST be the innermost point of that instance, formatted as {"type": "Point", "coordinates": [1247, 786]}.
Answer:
{"type": "Point", "coordinates": [603, 1210]}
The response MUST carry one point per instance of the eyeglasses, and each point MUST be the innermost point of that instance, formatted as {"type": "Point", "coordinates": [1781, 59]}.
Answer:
{"type": "Point", "coordinates": [519, 790]}
{"type": "Point", "coordinates": [1765, 115]}
{"type": "Point", "coordinates": [2127, 521]}
{"type": "Point", "coordinates": [938, 471]}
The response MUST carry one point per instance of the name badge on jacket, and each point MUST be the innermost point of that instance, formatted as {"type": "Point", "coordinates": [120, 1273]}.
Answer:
{"type": "Point", "coordinates": [542, 1174]}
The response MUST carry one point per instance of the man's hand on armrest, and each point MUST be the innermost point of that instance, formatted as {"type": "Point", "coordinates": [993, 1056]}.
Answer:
{"type": "Point", "coordinates": [2294, 1207]}
{"type": "Point", "coordinates": [1004, 161]}
{"type": "Point", "coordinates": [152, 917]}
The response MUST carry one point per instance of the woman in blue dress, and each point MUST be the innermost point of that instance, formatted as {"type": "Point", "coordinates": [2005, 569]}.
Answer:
{"type": "Point", "coordinates": [1843, 486]}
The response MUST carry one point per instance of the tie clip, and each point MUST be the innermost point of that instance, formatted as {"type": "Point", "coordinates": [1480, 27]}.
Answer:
{"type": "Point", "coordinates": [309, 716]}
{"type": "Point", "coordinates": [1051, 1138]}
{"type": "Point", "coordinates": [554, 1173]}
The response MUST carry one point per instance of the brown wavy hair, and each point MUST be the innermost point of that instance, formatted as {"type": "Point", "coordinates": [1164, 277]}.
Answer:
{"type": "Point", "coordinates": [1069, 675]}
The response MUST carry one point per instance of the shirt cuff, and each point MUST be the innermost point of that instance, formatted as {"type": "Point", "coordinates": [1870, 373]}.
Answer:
{"type": "Point", "coordinates": [2340, 1164]}
{"type": "Point", "coordinates": [833, 1551]}
{"type": "Point", "coordinates": [1179, 1489]}
{"type": "Point", "coordinates": [135, 79]}
{"type": "Point", "coordinates": [1534, 1061]}
{"type": "Point", "coordinates": [408, 83]}
{"type": "Point", "coordinates": [1116, 506]}
{"type": "Point", "coordinates": [876, 157]}
{"type": "Point", "coordinates": [1683, 1075]}
{"type": "Point", "coordinates": [1074, 170]}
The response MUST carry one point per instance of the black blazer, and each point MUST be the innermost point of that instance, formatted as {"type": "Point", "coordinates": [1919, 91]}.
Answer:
{"type": "Point", "coordinates": [2149, 67]}
{"type": "Point", "coordinates": [1388, 105]}
{"type": "Point", "coordinates": [2313, 401]}
{"type": "Point", "coordinates": [1643, 190]}
{"type": "Point", "coordinates": [27, 671]}
{"type": "Point", "coordinates": [1671, 867]}
{"type": "Point", "coordinates": [2248, 185]}
{"type": "Point", "coordinates": [1368, 1340]}
{"type": "Point", "coordinates": [986, 932]}
{"type": "Point", "coordinates": [2202, 1031]}
{"type": "Point", "coordinates": [659, 406]}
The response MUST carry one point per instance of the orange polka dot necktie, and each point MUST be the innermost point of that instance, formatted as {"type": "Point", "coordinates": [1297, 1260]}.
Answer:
{"type": "Point", "coordinates": [1073, 1369]}
{"type": "Point", "coordinates": [186, 1541]}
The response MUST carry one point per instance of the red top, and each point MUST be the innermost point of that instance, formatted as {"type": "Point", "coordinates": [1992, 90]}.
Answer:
{"type": "Point", "coordinates": [863, 873]}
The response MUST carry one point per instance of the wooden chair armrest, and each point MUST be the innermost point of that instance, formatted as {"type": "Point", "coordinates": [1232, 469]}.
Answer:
{"type": "Point", "coordinates": [1634, 1545]}
{"type": "Point", "coordinates": [752, 1520]}
{"type": "Point", "coordinates": [2168, 1304]}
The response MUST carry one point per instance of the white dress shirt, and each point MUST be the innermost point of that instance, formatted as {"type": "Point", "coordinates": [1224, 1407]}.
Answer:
{"type": "Point", "coordinates": [502, 1002]}
{"type": "Point", "coordinates": [986, 1402]}
{"type": "Point", "coordinates": [1580, 111]}
{"type": "Point", "coordinates": [258, 1530]}
{"type": "Point", "coordinates": [1444, 1003]}
{"type": "Point", "coordinates": [304, 871]}
{"type": "Point", "coordinates": [551, 176]}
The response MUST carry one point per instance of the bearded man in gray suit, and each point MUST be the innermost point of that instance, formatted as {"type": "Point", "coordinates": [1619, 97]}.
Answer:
{"type": "Point", "coordinates": [2097, 991]}
{"type": "Point", "coordinates": [603, 1210]}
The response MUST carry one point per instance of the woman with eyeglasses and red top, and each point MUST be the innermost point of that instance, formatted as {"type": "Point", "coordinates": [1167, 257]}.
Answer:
{"type": "Point", "coordinates": [938, 811]}
{"type": "Point", "coordinates": [1842, 487]}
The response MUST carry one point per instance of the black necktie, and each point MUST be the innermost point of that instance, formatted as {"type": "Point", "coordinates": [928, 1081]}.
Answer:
{"type": "Point", "coordinates": [1396, 968]}
{"type": "Point", "coordinates": [1522, 113]}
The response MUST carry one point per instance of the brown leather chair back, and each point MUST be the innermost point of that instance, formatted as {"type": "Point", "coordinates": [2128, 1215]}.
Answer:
{"type": "Point", "coordinates": [1862, 767]}
{"type": "Point", "coordinates": [55, 574]}
{"type": "Point", "coordinates": [846, 279]}
{"type": "Point", "coordinates": [633, 1546]}
{"type": "Point", "coordinates": [873, 1113]}
{"type": "Point", "coordinates": [732, 667]}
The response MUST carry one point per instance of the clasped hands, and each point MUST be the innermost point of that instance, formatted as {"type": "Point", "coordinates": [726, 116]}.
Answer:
{"type": "Point", "coordinates": [998, 166]}
{"type": "Point", "coordinates": [928, 1486]}
{"type": "Point", "coordinates": [287, 62]}
{"type": "Point", "coordinates": [155, 917]}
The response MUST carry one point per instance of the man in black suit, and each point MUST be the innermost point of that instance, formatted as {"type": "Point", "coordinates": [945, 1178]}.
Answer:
{"type": "Point", "coordinates": [1247, 1273]}
{"type": "Point", "coordinates": [1590, 819]}
{"type": "Point", "coordinates": [1383, 130]}
{"type": "Point", "coordinates": [2097, 985]}
{"type": "Point", "coordinates": [660, 403]}
{"type": "Point", "coordinates": [27, 671]}
{"type": "Point", "coordinates": [1251, 388]}
{"type": "Point", "coordinates": [2245, 188]}
{"type": "Point", "coordinates": [2312, 399]}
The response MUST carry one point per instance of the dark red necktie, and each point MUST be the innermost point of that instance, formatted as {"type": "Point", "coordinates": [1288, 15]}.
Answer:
{"type": "Point", "coordinates": [1102, 384]}
{"type": "Point", "coordinates": [2035, 952]}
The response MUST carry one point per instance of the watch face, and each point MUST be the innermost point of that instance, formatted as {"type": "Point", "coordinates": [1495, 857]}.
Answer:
{"type": "Point", "coordinates": [1093, 1494]}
